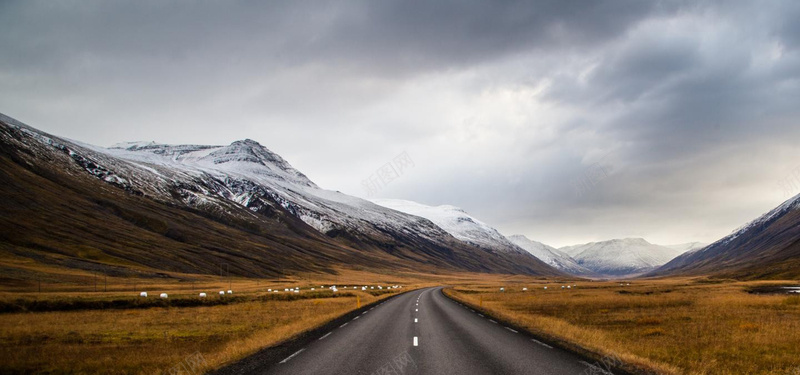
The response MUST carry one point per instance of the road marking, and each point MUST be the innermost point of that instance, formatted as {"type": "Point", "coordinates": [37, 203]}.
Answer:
{"type": "Point", "coordinates": [492, 321]}
{"type": "Point", "coordinates": [416, 342]}
{"type": "Point", "coordinates": [416, 310]}
{"type": "Point", "coordinates": [511, 330]}
{"type": "Point", "coordinates": [364, 312]}
{"type": "Point", "coordinates": [541, 343]}
{"type": "Point", "coordinates": [356, 317]}
{"type": "Point", "coordinates": [292, 356]}
{"type": "Point", "coordinates": [472, 310]}
{"type": "Point", "coordinates": [481, 315]}
{"type": "Point", "coordinates": [326, 335]}
{"type": "Point", "coordinates": [342, 326]}
{"type": "Point", "coordinates": [415, 320]}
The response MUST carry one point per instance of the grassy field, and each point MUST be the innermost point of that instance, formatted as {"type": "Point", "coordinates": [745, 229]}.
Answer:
{"type": "Point", "coordinates": [136, 339]}
{"type": "Point", "coordinates": [678, 326]}
{"type": "Point", "coordinates": [674, 326]}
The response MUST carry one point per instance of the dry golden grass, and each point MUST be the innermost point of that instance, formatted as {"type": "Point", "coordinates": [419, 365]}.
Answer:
{"type": "Point", "coordinates": [678, 326]}
{"type": "Point", "coordinates": [153, 340]}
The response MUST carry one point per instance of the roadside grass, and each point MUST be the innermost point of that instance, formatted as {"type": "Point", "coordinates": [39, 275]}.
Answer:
{"type": "Point", "coordinates": [670, 326]}
{"type": "Point", "coordinates": [137, 338]}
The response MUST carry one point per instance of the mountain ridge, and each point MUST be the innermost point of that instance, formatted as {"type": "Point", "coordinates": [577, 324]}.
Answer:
{"type": "Point", "coordinates": [241, 187]}
{"type": "Point", "coordinates": [767, 247]}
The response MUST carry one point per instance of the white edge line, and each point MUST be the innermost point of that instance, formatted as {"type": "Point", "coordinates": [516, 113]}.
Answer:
{"type": "Point", "coordinates": [326, 335]}
{"type": "Point", "coordinates": [293, 355]}
{"type": "Point", "coordinates": [511, 330]}
{"type": "Point", "coordinates": [341, 326]}
{"type": "Point", "coordinates": [541, 343]}
{"type": "Point", "coordinates": [492, 321]}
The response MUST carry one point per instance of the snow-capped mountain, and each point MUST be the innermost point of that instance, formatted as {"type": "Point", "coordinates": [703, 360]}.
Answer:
{"type": "Point", "coordinates": [246, 182]}
{"type": "Point", "coordinates": [551, 255]}
{"type": "Point", "coordinates": [457, 222]}
{"type": "Point", "coordinates": [621, 257]}
{"type": "Point", "coordinates": [767, 247]}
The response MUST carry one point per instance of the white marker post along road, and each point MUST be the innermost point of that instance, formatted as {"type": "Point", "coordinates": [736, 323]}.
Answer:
{"type": "Point", "coordinates": [432, 334]}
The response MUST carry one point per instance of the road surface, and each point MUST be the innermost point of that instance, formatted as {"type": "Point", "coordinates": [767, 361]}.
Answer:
{"type": "Point", "coordinates": [424, 332]}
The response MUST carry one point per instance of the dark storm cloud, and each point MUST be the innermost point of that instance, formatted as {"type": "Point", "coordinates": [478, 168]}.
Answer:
{"type": "Point", "coordinates": [389, 37]}
{"type": "Point", "coordinates": [691, 106]}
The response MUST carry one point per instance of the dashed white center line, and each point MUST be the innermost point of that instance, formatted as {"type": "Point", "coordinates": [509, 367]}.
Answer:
{"type": "Point", "coordinates": [416, 310]}
{"type": "Point", "coordinates": [541, 343]}
{"type": "Point", "coordinates": [292, 356]}
{"type": "Point", "coordinates": [416, 342]}
{"type": "Point", "coordinates": [415, 320]}
{"type": "Point", "coordinates": [511, 330]}
{"type": "Point", "coordinates": [326, 335]}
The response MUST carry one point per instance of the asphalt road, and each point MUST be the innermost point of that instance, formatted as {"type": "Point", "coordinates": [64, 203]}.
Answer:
{"type": "Point", "coordinates": [424, 332]}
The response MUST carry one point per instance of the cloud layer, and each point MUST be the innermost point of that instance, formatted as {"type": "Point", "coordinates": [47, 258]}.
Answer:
{"type": "Point", "coordinates": [565, 122]}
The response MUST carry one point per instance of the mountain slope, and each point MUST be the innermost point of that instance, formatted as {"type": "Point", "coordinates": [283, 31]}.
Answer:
{"type": "Point", "coordinates": [455, 221]}
{"type": "Point", "coordinates": [146, 207]}
{"type": "Point", "coordinates": [620, 257]}
{"type": "Point", "coordinates": [551, 256]}
{"type": "Point", "coordinates": [766, 248]}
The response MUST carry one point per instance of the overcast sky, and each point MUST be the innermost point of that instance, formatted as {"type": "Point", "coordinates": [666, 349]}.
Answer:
{"type": "Point", "coordinates": [566, 121]}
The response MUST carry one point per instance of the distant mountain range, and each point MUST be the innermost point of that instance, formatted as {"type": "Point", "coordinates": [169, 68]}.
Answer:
{"type": "Point", "coordinates": [614, 258]}
{"type": "Point", "coordinates": [621, 257]}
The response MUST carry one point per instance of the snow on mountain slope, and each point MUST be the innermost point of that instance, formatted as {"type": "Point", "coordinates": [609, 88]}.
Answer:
{"type": "Point", "coordinates": [764, 220]}
{"type": "Point", "coordinates": [243, 172]}
{"type": "Point", "coordinates": [550, 255]}
{"type": "Point", "coordinates": [455, 221]}
{"type": "Point", "coordinates": [223, 178]}
{"type": "Point", "coordinates": [621, 257]}
{"type": "Point", "coordinates": [767, 247]}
